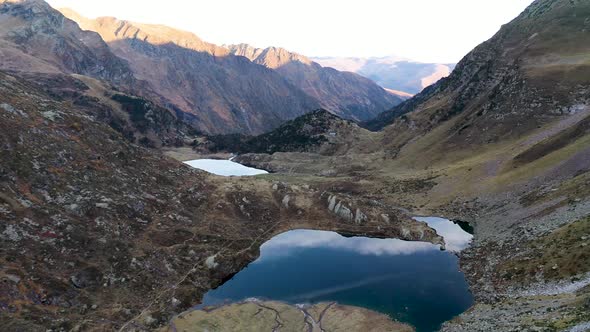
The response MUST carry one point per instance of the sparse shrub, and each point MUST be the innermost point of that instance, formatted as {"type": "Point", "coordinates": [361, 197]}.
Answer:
{"type": "Point", "coordinates": [76, 126]}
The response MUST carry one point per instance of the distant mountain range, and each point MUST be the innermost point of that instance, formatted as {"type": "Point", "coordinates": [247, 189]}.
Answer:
{"type": "Point", "coordinates": [394, 73]}
{"type": "Point", "coordinates": [212, 88]}
{"type": "Point", "coordinates": [355, 96]}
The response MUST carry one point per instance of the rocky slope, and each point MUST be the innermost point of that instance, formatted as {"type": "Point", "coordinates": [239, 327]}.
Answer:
{"type": "Point", "coordinates": [391, 72]}
{"type": "Point", "coordinates": [531, 72]}
{"type": "Point", "coordinates": [36, 38]}
{"type": "Point", "coordinates": [97, 233]}
{"type": "Point", "coordinates": [346, 94]}
{"type": "Point", "coordinates": [139, 120]}
{"type": "Point", "coordinates": [319, 132]}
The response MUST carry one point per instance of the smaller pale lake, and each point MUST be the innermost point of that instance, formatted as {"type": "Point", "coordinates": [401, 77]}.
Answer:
{"type": "Point", "coordinates": [413, 282]}
{"type": "Point", "coordinates": [224, 167]}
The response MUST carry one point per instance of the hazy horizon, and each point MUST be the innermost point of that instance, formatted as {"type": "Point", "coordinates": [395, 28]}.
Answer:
{"type": "Point", "coordinates": [421, 30]}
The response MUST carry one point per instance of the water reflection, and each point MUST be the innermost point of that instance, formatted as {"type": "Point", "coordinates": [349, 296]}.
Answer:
{"type": "Point", "coordinates": [224, 167]}
{"type": "Point", "coordinates": [413, 282]}
{"type": "Point", "coordinates": [456, 238]}
{"type": "Point", "coordinates": [286, 244]}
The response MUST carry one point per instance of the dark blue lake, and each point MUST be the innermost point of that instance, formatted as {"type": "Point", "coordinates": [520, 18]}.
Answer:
{"type": "Point", "coordinates": [413, 282]}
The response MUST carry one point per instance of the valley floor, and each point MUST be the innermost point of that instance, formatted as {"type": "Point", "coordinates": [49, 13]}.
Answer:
{"type": "Point", "coordinates": [528, 264]}
{"type": "Point", "coordinates": [114, 236]}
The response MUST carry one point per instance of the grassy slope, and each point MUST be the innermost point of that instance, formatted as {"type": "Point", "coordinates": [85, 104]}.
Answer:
{"type": "Point", "coordinates": [562, 254]}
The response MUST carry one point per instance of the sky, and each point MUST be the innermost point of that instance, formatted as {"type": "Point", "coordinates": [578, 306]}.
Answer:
{"type": "Point", "coordinates": [441, 31]}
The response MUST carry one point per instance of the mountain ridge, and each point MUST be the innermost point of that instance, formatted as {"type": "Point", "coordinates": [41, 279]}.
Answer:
{"type": "Point", "coordinates": [36, 37]}
{"type": "Point", "coordinates": [153, 33]}
{"type": "Point", "coordinates": [146, 46]}
{"type": "Point", "coordinates": [346, 94]}
{"type": "Point", "coordinates": [204, 84]}
{"type": "Point", "coordinates": [503, 74]}
{"type": "Point", "coordinates": [219, 93]}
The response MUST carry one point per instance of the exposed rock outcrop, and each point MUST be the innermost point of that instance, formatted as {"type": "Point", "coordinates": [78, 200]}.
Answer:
{"type": "Point", "coordinates": [37, 38]}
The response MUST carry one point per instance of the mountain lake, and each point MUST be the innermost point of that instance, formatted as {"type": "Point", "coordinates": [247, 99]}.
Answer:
{"type": "Point", "coordinates": [412, 282]}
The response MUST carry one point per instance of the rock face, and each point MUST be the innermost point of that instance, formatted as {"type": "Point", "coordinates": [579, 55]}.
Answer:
{"type": "Point", "coordinates": [340, 208]}
{"type": "Point", "coordinates": [36, 38]}
{"type": "Point", "coordinates": [348, 95]}
{"type": "Point", "coordinates": [393, 73]}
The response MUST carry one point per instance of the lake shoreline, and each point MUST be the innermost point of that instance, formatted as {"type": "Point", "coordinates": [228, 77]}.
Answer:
{"type": "Point", "coordinates": [256, 315]}
{"type": "Point", "coordinates": [276, 251]}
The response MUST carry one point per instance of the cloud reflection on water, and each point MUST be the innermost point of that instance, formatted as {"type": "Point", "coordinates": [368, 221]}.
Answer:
{"type": "Point", "coordinates": [224, 167]}
{"type": "Point", "coordinates": [456, 239]}
{"type": "Point", "coordinates": [287, 243]}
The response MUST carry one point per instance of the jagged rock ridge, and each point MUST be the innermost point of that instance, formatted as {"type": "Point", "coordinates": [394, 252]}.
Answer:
{"type": "Point", "coordinates": [37, 38]}
{"type": "Point", "coordinates": [219, 92]}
